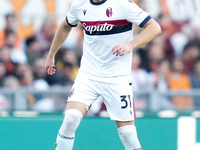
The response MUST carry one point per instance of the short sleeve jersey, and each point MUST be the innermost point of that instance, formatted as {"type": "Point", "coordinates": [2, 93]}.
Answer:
{"type": "Point", "coordinates": [106, 24]}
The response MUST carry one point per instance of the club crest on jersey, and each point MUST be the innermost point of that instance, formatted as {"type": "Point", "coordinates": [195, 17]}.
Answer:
{"type": "Point", "coordinates": [109, 12]}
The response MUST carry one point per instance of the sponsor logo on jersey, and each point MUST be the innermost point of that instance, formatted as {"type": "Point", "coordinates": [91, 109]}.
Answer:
{"type": "Point", "coordinates": [109, 12]}
{"type": "Point", "coordinates": [84, 12]}
{"type": "Point", "coordinates": [106, 27]}
{"type": "Point", "coordinates": [98, 27]}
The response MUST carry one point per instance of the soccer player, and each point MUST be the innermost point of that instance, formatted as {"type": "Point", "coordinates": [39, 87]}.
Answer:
{"type": "Point", "coordinates": [105, 65]}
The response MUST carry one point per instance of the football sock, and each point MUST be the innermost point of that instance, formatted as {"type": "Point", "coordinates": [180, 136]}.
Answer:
{"type": "Point", "coordinates": [128, 136]}
{"type": "Point", "coordinates": [66, 134]}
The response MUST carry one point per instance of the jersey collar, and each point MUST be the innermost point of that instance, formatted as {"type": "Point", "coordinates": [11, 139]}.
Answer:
{"type": "Point", "coordinates": [97, 3]}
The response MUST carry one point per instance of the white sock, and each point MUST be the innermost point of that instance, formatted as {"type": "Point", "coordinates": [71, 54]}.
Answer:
{"type": "Point", "coordinates": [128, 136]}
{"type": "Point", "coordinates": [66, 134]}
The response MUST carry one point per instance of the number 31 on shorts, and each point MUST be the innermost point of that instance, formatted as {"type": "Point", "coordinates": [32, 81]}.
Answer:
{"type": "Point", "coordinates": [125, 101]}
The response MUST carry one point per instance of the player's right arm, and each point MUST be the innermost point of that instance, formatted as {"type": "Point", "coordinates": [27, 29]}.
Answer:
{"type": "Point", "coordinates": [61, 34]}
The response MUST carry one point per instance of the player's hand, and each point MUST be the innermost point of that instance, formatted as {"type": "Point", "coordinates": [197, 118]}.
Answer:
{"type": "Point", "coordinates": [49, 65]}
{"type": "Point", "coordinates": [121, 49]}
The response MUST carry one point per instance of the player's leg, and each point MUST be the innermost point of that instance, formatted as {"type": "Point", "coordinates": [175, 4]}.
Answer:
{"type": "Point", "coordinates": [128, 135]}
{"type": "Point", "coordinates": [118, 99]}
{"type": "Point", "coordinates": [73, 115]}
{"type": "Point", "coordinates": [81, 96]}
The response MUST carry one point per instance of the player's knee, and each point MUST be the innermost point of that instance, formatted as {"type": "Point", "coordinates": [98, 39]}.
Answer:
{"type": "Point", "coordinates": [72, 118]}
{"type": "Point", "coordinates": [128, 136]}
{"type": "Point", "coordinates": [71, 121]}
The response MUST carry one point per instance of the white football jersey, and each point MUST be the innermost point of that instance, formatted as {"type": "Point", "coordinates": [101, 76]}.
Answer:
{"type": "Point", "coordinates": [106, 24]}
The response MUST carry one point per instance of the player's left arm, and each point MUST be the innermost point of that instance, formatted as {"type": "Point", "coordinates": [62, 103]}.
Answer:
{"type": "Point", "coordinates": [151, 30]}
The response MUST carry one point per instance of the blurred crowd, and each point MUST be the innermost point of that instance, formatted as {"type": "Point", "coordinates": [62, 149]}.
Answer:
{"type": "Point", "coordinates": [170, 62]}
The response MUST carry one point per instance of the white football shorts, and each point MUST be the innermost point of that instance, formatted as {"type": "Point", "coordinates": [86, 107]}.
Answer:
{"type": "Point", "coordinates": [118, 97]}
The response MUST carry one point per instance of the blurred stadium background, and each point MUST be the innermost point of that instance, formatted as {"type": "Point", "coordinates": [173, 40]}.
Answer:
{"type": "Point", "coordinates": [165, 74]}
